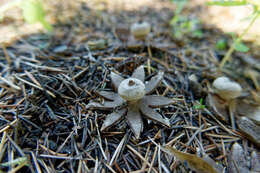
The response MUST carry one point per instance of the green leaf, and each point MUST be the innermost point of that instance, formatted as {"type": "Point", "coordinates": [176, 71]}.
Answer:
{"type": "Point", "coordinates": [199, 105]}
{"type": "Point", "coordinates": [227, 3]}
{"type": "Point", "coordinates": [46, 25]}
{"type": "Point", "coordinates": [180, 4]}
{"type": "Point", "coordinates": [221, 44]}
{"type": "Point", "coordinates": [254, 2]}
{"type": "Point", "coordinates": [174, 20]}
{"type": "Point", "coordinates": [197, 34]}
{"type": "Point", "coordinates": [241, 47]}
{"type": "Point", "coordinates": [33, 12]}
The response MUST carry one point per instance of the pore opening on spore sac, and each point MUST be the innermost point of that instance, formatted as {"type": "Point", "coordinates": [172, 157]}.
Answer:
{"type": "Point", "coordinates": [131, 83]}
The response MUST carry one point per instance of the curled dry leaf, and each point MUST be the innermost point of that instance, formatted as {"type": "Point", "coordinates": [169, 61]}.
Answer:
{"type": "Point", "coordinates": [195, 86]}
{"type": "Point", "coordinates": [122, 32]}
{"type": "Point", "coordinates": [237, 160]}
{"type": "Point", "coordinates": [218, 106]}
{"type": "Point", "coordinates": [254, 76]}
{"type": "Point", "coordinates": [97, 44]}
{"type": "Point", "coordinates": [249, 110]}
{"type": "Point", "coordinates": [197, 164]}
{"type": "Point", "coordinates": [255, 162]}
{"type": "Point", "coordinates": [256, 96]}
{"type": "Point", "coordinates": [130, 107]}
{"type": "Point", "coordinates": [249, 128]}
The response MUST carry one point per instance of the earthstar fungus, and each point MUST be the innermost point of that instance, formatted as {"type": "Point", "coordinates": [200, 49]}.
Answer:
{"type": "Point", "coordinates": [226, 88]}
{"type": "Point", "coordinates": [132, 100]}
{"type": "Point", "coordinates": [140, 30]}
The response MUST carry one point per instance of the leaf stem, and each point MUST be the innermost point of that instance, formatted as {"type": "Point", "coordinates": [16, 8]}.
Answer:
{"type": "Point", "coordinates": [232, 48]}
{"type": "Point", "coordinates": [46, 25]}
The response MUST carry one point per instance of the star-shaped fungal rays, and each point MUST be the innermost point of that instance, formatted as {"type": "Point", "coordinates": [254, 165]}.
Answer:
{"type": "Point", "coordinates": [132, 100]}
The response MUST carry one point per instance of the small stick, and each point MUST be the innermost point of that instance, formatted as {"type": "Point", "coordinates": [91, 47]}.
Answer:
{"type": "Point", "coordinates": [7, 57]}
{"type": "Point", "coordinates": [8, 126]}
{"type": "Point", "coordinates": [3, 140]}
{"type": "Point", "coordinates": [10, 83]}
{"type": "Point", "coordinates": [36, 86]}
{"type": "Point", "coordinates": [141, 157]}
{"type": "Point", "coordinates": [36, 163]}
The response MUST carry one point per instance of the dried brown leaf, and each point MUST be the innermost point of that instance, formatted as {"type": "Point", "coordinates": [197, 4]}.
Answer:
{"type": "Point", "coordinates": [256, 96]}
{"type": "Point", "coordinates": [251, 129]}
{"type": "Point", "coordinates": [249, 110]}
{"type": "Point", "coordinates": [153, 83]}
{"type": "Point", "coordinates": [195, 86]}
{"type": "Point", "coordinates": [139, 73]}
{"type": "Point", "coordinates": [157, 101]}
{"type": "Point", "coordinates": [116, 80]}
{"type": "Point", "coordinates": [122, 32]}
{"type": "Point", "coordinates": [113, 118]}
{"type": "Point", "coordinates": [135, 120]}
{"type": "Point", "coordinates": [255, 162]}
{"type": "Point", "coordinates": [194, 162]}
{"type": "Point", "coordinates": [218, 106]}
{"type": "Point", "coordinates": [237, 160]}
{"type": "Point", "coordinates": [210, 161]}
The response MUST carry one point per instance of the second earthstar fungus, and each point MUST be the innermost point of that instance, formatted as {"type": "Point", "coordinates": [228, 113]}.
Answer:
{"type": "Point", "coordinates": [131, 100]}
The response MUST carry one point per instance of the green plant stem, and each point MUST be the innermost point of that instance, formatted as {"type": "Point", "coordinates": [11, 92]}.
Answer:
{"type": "Point", "coordinates": [232, 48]}
{"type": "Point", "coordinates": [46, 25]}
